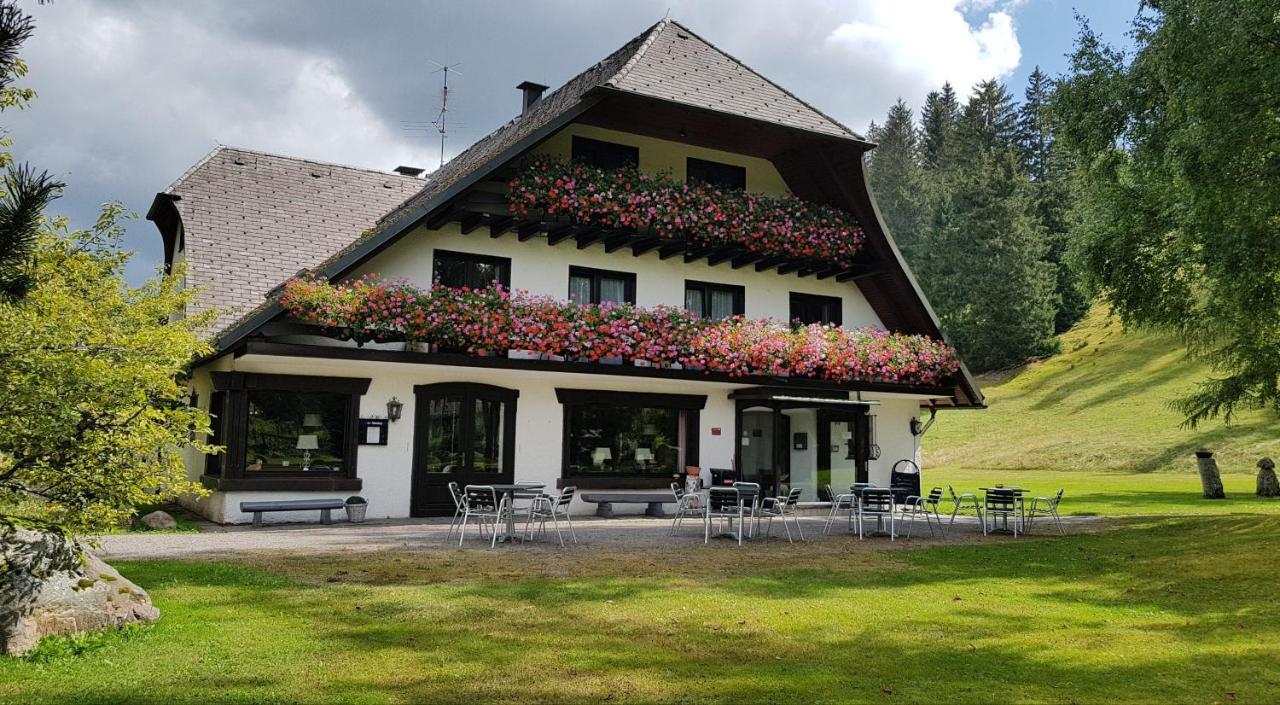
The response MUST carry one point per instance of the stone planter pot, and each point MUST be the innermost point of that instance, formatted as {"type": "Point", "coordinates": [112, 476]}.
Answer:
{"type": "Point", "coordinates": [356, 511]}
{"type": "Point", "coordinates": [611, 361]}
{"type": "Point", "coordinates": [524, 355]}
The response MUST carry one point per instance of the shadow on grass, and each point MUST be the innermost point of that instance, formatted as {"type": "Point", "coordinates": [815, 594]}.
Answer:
{"type": "Point", "coordinates": [1167, 610]}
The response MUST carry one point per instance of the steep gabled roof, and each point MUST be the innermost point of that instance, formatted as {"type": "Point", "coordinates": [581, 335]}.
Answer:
{"type": "Point", "coordinates": [251, 220]}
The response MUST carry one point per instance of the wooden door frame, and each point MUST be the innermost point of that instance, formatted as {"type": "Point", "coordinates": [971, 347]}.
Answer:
{"type": "Point", "coordinates": [470, 393]}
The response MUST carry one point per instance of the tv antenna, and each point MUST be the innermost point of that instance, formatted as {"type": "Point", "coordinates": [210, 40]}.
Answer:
{"type": "Point", "coordinates": [439, 123]}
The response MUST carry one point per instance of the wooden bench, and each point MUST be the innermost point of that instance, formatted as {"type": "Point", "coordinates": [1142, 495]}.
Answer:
{"type": "Point", "coordinates": [293, 505]}
{"type": "Point", "coordinates": [605, 502]}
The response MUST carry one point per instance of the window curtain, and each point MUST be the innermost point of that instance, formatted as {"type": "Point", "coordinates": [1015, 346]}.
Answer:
{"type": "Point", "coordinates": [614, 290]}
{"type": "Point", "coordinates": [580, 290]}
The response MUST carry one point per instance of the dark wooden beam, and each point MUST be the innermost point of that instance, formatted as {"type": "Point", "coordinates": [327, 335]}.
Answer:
{"type": "Point", "coordinates": [559, 233]}
{"type": "Point", "coordinates": [695, 253]}
{"type": "Point", "coordinates": [616, 241]}
{"type": "Point", "coordinates": [445, 215]}
{"type": "Point", "coordinates": [722, 253]}
{"type": "Point", "coordinates": [830, 272]}
{"type": "Point", "coordinates": [471, 222]}
{"type": "Point", "coordinates": [857, 273]}
{"type": "Point", "coordinates": [744, 259]}
{"type": "Point", "coordinates": [671, 249]}
{"type": "Point", "coordinates": [588, 238]}
{"type": "Point", "coordinates": [527, 229]}
{"type": "Point", "coordinates": [498, 226]}
{"type": "Point", "coordinates": [768, 263]}
{"type": "Point", "coordinates": [807, 270]}
{"type": "Point", "coordinates": [788, 267]}
{"type": "Point", "coordinates": [644, 244]}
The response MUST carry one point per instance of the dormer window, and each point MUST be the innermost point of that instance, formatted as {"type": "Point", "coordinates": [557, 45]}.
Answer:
{"type": "Point", "coordinates": [599, 286]}
{"type": "Point", "coordinates": [605, 155]}
{"type": "Point", "coordinates": [715, 173]}
{"type": "Point", "coordinates": [458, 269]}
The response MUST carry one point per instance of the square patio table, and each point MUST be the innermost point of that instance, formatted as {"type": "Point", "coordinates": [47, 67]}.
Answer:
{"type": "Point", "coordinates": [509, 491]}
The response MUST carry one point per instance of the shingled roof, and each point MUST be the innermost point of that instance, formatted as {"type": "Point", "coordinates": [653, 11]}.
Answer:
{"type": "Point", "coordinates": [252, 220]}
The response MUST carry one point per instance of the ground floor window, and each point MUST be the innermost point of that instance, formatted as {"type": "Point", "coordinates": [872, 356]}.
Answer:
{"type": "Point", "coordinates": [285, 431]}
{"type": "Point", "coordinates": [628, 436]}
{"type": "Point", "coordinates": [289, 431]}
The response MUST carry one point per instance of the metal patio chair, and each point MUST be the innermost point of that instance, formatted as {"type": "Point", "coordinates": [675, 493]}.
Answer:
{"type": "Point", "coordinates": [927, 506]}
{"type": "Point", "coordinates": [1001, 504]}
{"type": "Point", "coordinates": [1045, 506]}
{"type": "Point", "coordinates": [554, 508]}
{"type": "Point", "coordinates": [723, 503]}
{"type": "Point", "coordinates": [783, 508]}
{"type": "Point", "coordinates": [967, 502]}
{"type": "Point", "coordinates": [480, 502]}
{"type": "Point", "coordinates": [751, 499]}
{"type": "Point", "coordinates": [839, 503]}
{"type": "Point", "coordinates": [456, 493]}
{"type": "Point", "coordinates": [687, 504]}
{"type": "Point", "coordinates": [877, 502]}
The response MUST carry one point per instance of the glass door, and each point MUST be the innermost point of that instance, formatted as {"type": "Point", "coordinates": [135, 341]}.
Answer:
{"type": "Point", "coordinates": [843, 452]}
{"type": "Point", "coordinates": [463, 433]}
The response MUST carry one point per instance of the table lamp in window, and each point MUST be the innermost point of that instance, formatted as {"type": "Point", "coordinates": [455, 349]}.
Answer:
{"type": "Point", "coordinates": [644, 457]}
{"type": "Point", "coordinates": [307, 442]}
{"type": "Point", "coordinates": [600, 455]}
{"type": "Point", "coordinates": [312, 420]}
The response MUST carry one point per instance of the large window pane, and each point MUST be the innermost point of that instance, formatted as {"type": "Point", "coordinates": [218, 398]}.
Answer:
{"type": "Point", "coordinates": [605, 439]}
{"type": "Point", "coordinates": [812, 308]}
{"type": "Point", "coordinates": [487, 439]}
{"type": "Point", "coordinates": [613, 290]}
{"type": "Point", "coordinates": [580, 289]}
{"type": "Point", "coordinates": [714, 301]}
{"type": "Point", "coordinates": [295, 431]}
{"type": "Point", "coordinates": [444, 452]}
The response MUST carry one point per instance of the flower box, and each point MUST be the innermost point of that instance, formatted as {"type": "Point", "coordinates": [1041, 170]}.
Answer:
{"type": "Point", "coordinates": [524, 355]}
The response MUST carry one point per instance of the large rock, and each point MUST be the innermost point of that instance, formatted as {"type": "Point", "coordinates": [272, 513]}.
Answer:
{"type": "Point", "coordinates": [50, 585]}
{"type": "Point", "coordinates": [159, 520]}
{"type": "Point", "coordinates": [1268, 485]}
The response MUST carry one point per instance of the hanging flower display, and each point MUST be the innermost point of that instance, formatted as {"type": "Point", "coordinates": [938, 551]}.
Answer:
{"type": "Point", "coordinates": [495, 321]}
{"type": "Point", "coordinates": [694, 212]}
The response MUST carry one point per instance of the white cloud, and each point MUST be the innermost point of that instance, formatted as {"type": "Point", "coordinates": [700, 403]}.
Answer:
{"type": "Point", "coordinates": [923, 44]}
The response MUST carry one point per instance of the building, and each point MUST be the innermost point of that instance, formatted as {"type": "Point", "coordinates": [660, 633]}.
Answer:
{"type": "Point", "coordinates": [303, 412]}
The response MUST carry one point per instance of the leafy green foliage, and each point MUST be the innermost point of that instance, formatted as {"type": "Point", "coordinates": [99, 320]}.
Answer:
{"type": "Point", "coordinates": [1178, 211]}
{"type": "Point", "coordinates": [93, 414]}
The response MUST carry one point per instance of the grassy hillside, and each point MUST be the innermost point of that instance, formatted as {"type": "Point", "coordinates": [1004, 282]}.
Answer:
{"type": "Point", "coordinates": [1102, 404]}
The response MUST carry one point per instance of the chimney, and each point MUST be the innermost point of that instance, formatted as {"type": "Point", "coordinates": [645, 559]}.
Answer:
{"type": "Point", "coordinates": [408, 170]}
{"type": "Point", "coordinates": [532, 94]}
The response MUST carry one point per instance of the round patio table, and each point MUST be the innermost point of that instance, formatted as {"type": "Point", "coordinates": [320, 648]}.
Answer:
{"type": "Point", "coordinates": [1017, 493]}
{"type": "Point", "coordinates": [509, 491]}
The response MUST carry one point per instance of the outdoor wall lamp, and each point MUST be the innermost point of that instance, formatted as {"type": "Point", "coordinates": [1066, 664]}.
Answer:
{"type": "Point", "coordinates": [918, 428]}
{"type": "Point", "coordinates": [394, 407]}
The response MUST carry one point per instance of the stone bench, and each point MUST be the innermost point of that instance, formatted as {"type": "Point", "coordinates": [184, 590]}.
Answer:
{"type": "Point", "coordinates": [293, 505]}
{"type": "Point", "coordinates": [605, 502]}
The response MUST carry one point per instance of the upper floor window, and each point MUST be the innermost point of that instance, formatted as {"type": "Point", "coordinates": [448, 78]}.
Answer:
{"type": "Point", "coordinates": [598, 286]}
{"type": "Point", "coordinates": [459, 269]}
{"type": "Point", "coordinates": [604, 155]}
{"type": "Point", "coordinates": [715, 173]}
{"type": "Point", "coordinates": [714, 301]}
{"type": "Point", "coordinates": [812, 308]}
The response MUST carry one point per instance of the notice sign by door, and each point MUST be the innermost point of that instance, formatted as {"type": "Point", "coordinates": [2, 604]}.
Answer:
{"type": "Point", "coordinates": [373, 432]}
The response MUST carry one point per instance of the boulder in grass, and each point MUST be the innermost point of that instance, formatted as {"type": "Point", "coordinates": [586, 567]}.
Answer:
{"type": "Point", "coordinates": [50, 586]}
{"type": "Point", "coordinates": [1268, 485]}
{"type": "Point", "coordinates": [159, 520]}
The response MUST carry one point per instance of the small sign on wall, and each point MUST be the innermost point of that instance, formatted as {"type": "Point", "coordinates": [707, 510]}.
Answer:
{"type": "Point", "coordinates": [373, 432]}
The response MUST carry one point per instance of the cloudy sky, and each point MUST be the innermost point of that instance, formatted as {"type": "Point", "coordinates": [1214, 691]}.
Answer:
{"type": "Point", "coordinates": [132, 93]}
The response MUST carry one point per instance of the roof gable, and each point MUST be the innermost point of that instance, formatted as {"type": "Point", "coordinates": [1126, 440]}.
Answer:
{"type": "Point", "coordinates": [676, 65]}
{"type": "Point", "coordinates": [252, 220]}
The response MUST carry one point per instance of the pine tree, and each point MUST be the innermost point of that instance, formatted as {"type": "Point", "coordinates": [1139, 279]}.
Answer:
{"type": "Point", "coordinates": [982, 261]}
{"type": "Point", "coordinates": [897, 177]}
{"type": "Point", "coordinates": [1048, 168]}
{"type": "Point", "coordinates": [937, 120]}
{"type": "Point", "coordinates": [989, 121]}
{"type": "Point", "coordinates": [982, 264]}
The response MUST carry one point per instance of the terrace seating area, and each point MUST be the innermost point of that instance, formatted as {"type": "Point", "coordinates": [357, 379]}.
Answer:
{"type": "Point", "coordinates": [742, 512]}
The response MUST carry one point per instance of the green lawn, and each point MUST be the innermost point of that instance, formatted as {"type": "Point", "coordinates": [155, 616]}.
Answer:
{"type": "Point", "coordinates": [1165, 609]}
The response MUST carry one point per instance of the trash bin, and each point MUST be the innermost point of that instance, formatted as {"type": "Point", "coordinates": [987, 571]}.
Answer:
{"type": "Point", "coordinates": [356, 508]}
